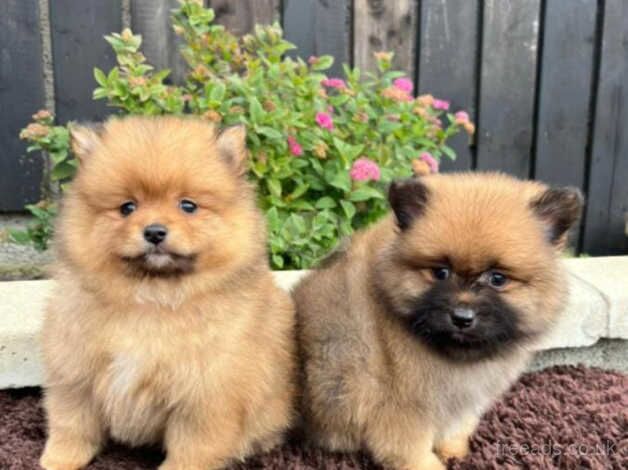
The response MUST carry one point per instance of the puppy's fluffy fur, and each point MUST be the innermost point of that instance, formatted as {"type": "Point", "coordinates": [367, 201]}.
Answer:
{"type": "Point", "coordinates": [409, 334]}
{"type": "Point", "coordinates": [188, 342]}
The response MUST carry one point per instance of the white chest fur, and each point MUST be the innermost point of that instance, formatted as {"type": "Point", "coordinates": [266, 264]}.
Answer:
{"type": "Point", "coordinates": [124, 373]}
{"type": "Point", "coordinates": [131, 405]}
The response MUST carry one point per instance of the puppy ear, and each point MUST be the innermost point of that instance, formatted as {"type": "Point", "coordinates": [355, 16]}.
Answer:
{"type": "Point", "coordinates": [84, 138]}
{"type": "Point", "coordinates": [559, 209]}
{"type": "Point", "coordinates": [232, 147]}
{"type": "Point", "coordinates": [408, 200]}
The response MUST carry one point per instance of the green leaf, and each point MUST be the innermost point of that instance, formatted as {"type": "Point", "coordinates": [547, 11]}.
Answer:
{"type": "Point", "coordinates": [298, 222]}
{"type": "Point", "coordinates": [99, 94]}
{"type": "Point", "coordinates": [270, 133]}
{"type": "Point", "coordinates": [364, 193]}
{"type": "Point", "coordinates": [278, 261]}
{"type": "Point", "coordinates": [37, 211]}
{"type": "Point", "coordinates": [339, 100]}
{"type": "Point", "coordinates": [348, 208]}
{"type": "Point", "coordinates": [341, 180]}
{"type": "Point", "coordinates": [218, 92]}
{"type": "Point", "coordinates": [345, 228]}
{"type": "Point", "coordinates": [348, 151]}
{"type": "Point", "coordinates": [394, 74]}
{"type": "Point", "coordinates": [256, 110]}
{"type": "Point", "coordinates": [161, 75]}
{"type": "Point", "coordinates": [449, 152]}
{"type": "Point", "coordinates": [274, 186]}
{"type": "Point", "coordinates": [114, 75]}
{"type": "Point", "coordinates": [21, 237]}
{"type": "Point", "coordinates": [323, 62]}
{"type": "Point", "coordinates": [100, 77]}
{"type": "Point", "coordinates": [62, 171]}
{"type": "Point", "coordinates": [325, 202]}
{"type": "Point", "coordinates": [301, 205]}
{"type": "Point", "coordinates": [298, 191]}
{"type": "Point", "coordinates": [272, 216]}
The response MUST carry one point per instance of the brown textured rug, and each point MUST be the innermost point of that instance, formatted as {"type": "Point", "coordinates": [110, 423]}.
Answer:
{"type": "Point", "coordinates": [563, 417]}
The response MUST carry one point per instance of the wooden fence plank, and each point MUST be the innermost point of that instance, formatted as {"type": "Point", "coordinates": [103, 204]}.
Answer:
{"type": "Point", "coordinates": [319, 27]}
{"type": "Point", "coordinates": [77, 30]}
{"type": "Point", "coordinates": [448, 40]}
{"type": "Point", "coordinates": [241, 16]}
{"type": "Point", "coordinates": [608, 189]}
{"type": "Point", "coordinates": [21, 94]}
{"type": "Point", "coordinates": [380, 25]}
{"type": "Point", "coordinates": [507, 91]}
{"type": "Point", "coordinates": [160, 45]}
{"type": "Point", "coordinates": [565, 91]}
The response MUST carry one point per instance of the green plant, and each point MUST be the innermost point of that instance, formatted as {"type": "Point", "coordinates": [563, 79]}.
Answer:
{"type": "Point", "coordinates": [44, 136]}
{"type": "Point", "coordinates": [322, 149]}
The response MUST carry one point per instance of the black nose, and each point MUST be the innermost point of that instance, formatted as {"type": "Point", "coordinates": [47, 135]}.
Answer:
{"type": "Point", "coordinates": [463, 317]}
{"type": "Point", "coordinates": [155, 233]}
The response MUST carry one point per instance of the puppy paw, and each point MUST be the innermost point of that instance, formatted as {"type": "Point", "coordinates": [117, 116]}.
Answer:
{"type": "Point", "coordinates": [453, 448]}
{"type": "Point", "coordinates": [48, 462]}
{"type": "Point", "coordinates": [429, 462]}
{"type": "Point", "coordinates": [67, 457]}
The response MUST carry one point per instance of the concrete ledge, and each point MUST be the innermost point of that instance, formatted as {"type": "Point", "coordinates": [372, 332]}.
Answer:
{"type": "Point", "coordinates": [597, 309]}
{"type": "Point", "coordinates": [21, 312]}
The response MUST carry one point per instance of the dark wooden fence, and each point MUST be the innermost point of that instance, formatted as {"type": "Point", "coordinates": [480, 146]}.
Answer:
{"type": "Point", "coordinates": [545, 80]}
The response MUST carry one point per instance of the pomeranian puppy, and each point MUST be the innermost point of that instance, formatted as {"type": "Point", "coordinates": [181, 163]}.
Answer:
{"type": "Point", "coordinates": [408, 335]}
{"type": "Point", "coordinates": [165, 325]}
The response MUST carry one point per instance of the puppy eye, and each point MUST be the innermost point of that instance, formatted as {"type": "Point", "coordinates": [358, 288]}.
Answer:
{"type": "Point", "coordinates": [497, 279]}
{"type": "Point", "coordinates": [128, 208]}
{"type": "Point", "coordinates": [188, 206]}
{"type": "Point", "coordinates": [441, 274]}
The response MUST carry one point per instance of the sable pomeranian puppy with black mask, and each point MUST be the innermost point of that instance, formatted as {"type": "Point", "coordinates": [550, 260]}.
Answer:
{"type": "Point", "coordinates": [411, 333]}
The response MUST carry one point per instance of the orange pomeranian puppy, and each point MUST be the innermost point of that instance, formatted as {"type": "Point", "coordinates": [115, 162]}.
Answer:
{"type": "Point", "coordinates": [409, 334]}
{"type": "Point", "coordinates": [165, 325]}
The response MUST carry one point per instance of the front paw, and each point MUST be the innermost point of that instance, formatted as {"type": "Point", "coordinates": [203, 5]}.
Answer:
{"type": "Point", "coordinates": [58, 457]}
{"type": "Point", "coordinates": [48, 462]}
{"type": "Point", "coordinates": [453, 448]}
{"type": "Point", "coordinates": [429, 462]}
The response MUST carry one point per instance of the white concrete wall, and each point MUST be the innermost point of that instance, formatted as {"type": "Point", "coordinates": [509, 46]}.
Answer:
{"type": "Point", "coordinates": [597, 308]}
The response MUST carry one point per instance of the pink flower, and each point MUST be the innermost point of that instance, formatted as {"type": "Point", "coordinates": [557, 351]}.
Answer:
{"type": "Point", "coordinates": [440, 104]}
{"type": "Point", "coordinates": [324, 120]}
{"type": "Point", "coordinates": [295, 147]}
{"type": "Point", "coordinates": [404, 84]}
{"type": "Point", "coordinates": [462, 117]}
{"type": "Point", "coordinates": [334, 83]}
{"type": "Point", "coordinates": [364, 169]}
{"type": "Point", "coordinates": [430, 160]}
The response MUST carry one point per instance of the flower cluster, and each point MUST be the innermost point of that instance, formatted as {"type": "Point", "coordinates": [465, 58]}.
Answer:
{"type": "Point", "coordinates": [337, 83]}
{"type": "Point", "coordinates": [364, 169]}
{"type": "Point", "coordinates": [294, 146]}
{"type": "Point", "coordinates": [425, 164]}
{"type": "Point", "coordinates": [462, 118]}
{"type": "Point", "coordinates": [39, 128]}
{"type": "Point", "coordinates": [324, 120]}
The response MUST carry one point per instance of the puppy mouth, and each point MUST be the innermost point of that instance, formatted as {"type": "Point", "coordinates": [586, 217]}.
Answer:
{"type": "Point", "coordinates": [159, 262]}
{"type": "Point", "coordinates": [449, 336]}
{"type": "Point", "coordinates": [462, 345]}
